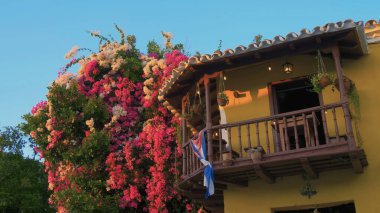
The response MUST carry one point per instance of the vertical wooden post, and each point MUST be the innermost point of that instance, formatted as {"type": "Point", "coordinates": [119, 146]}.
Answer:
{"type": "Point", "coordinates": [257, 134]}
{"type": "Point", "coordinates": [316, 136]}
{"type": "Point", "coordinates": [183, 136]}
{"type": "Point", "coordinates": [324, 120]}
{"type": "Point", "coordinates": [220, 144]}
{"type": "Point", "coordinates": [208, 119]}
{"type": "Point", "coordinates": [343, 98]}
{"type": "Point", "coordinates": [267, 137]}
{"type": "Point", "coordinates": [240, 144]}
{"type": "Point", "coordinates": [296, 132]}
{"type": "Point", "coordinates": [306, 130]}
{"type": "Point", "coordinates": [249, 136]}
{"type": "Point", "coordinates": [278, 141]}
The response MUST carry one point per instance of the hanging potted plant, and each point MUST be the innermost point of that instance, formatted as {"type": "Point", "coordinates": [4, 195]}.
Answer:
{"type": "Point", "coordinates": [321, 79]}
{"type": "Point", "coordinates": [222, 98]}
{"type": "Point", "coordinates": [198, 107]}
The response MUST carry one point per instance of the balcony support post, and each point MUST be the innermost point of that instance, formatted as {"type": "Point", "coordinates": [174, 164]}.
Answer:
{"type": "Point", "coordinates": [355, 161]}
{"type": "Point", "coordinates": [208, 119]}
{"type": "Point", "coordinates": [183, 123]}
{"type": "Point", "coordinates": [343, 98]}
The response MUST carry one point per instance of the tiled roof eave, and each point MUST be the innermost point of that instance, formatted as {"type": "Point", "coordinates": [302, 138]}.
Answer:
{"type": "Point", "coordinates": [277, 40]}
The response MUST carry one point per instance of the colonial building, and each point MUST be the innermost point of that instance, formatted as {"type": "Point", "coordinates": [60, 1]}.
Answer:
{"type": "Point", "coordinates": [291, 123]}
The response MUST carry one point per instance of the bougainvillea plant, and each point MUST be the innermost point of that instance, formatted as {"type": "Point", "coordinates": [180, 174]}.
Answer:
{"type": "Point", "coordinates": [107, 143]}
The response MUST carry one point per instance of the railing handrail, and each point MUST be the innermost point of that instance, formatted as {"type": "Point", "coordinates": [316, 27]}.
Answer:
{"type": "Point", "coordinates": [274, 117]}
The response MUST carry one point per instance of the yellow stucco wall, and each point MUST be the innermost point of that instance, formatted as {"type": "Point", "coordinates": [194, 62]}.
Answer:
{"type": "Point", "coordinates": [336, 186]}
{"type": "Point", "coordinates": [253, 80]}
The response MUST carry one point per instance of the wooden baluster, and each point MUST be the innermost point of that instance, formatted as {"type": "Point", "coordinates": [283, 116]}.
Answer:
{"type": "Point", "coordinates": [190, 158]}
{"type": "Point", "coordinates": [257, 134]}
{"type": "Point", "coordinates": [220, 144]}
{"type": "Point", "coordinates": [195, 162]}
{"type": "Point", "coordinates": [336, 125]}
{"type": "Point", "coordinates": [306, 130]}
{"type": "Point", "coordinates": [277, 140]}
{"type": "Point", "coordinates": [287, 144]}
{"type": "Point", "coordinates": [229, 139]}
{"type": "Point", "coordinates": [240, 144]}
{"type": "Point", "coordinates": [249, 136]}
{"type": "Point", "coordinates": [325, 128]}
{"type": "Point", "coordinates": [187, 160]}
{"type": "Point", "coordinates": [184, 168]}
{"type": "Point", "coordinates": [193, 158]}
{"type": "Point", "coordinates": [267, 137]}
{"type": "Point", "coordinates": [316, 136]}
{"type": "Point", "coordinates": [296, 132]}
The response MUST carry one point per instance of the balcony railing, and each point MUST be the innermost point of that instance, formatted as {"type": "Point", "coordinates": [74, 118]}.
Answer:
{"type": "Point", "coordinates": [314, 129]}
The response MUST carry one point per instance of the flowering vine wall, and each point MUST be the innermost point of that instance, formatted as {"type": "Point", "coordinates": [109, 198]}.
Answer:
{"type": "Point", "coordinates": [107, 142]}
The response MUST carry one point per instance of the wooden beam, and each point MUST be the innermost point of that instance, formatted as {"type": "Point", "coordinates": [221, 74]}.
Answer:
{"type": "Point", "coordinates": [228, 61]}
{"type": "Point", "coordinates": [346, 44]}
{"type": "Point", "coordinates": [236, 183]}
{"type": "Point", "coordinates": [308, 169]}
{"type": "Point", "coordinates": [318, 40]}
{"type": "Point", "coordinates": [262, 174]}
{"type": "Point", "coordinates": [257, 55]}
{"type": "Point", "coordinates": [201, 195]}
{"type": "Point", "coordinates": [292, 46]}
{"type": "Point", "coordinates": [219, 186]}
{"type": "Point", "coordinates": [355, 161]}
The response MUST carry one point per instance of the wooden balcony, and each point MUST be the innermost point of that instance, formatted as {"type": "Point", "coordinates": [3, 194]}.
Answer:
{"type": "Point", "coordinates": [307, 141]}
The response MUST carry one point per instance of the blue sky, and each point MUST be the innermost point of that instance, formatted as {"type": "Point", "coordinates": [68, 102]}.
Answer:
{"type": "Point", "coordinates": [35, 35]}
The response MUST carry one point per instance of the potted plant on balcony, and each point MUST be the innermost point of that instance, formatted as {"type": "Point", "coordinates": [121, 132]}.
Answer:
{"type": "Point", "coordinates": [256, 153]}
{"type": "Point", "coordinates": [347, 83]}
{"type": "Point", "coordinates": [222, 99]}
{"type": "Point", "coordinates": [227, 158]}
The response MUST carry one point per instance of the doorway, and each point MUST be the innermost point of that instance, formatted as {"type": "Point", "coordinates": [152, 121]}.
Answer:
{"type": "Point", "coordinates": [292, 95]}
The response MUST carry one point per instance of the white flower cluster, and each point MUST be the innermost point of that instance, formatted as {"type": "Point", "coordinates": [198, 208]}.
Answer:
{"type": "Point", "coordinates": [108, 56]}
{"type": "Point", "coordinates": [151, 65]}
{"type": "Point", "coordinates": [167, 39]}
{"type": "Point", "coordinates": [65, 79]}
{"type": "Point", "coordinates": [118, 111]}
{"type": "Point", "coordinates": [90, 124]}
{"type": "Point", "coordinates": [72, 52]}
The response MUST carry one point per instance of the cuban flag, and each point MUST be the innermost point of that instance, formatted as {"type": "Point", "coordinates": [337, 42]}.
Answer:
{"type": "Point", "coordinates": [199, 147]}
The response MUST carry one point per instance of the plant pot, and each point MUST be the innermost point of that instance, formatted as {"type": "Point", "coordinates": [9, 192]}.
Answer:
{"type": "Point", "coordinates": [222, 101]}
{"type": "Point", "coordinates": [347, 83]}
{"type": "Point", "coordinates": [227, 159]}
{"type": "Point", "coordinates": [256, 156]}
{"type": "Point", "coordinates": [324, 81]}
